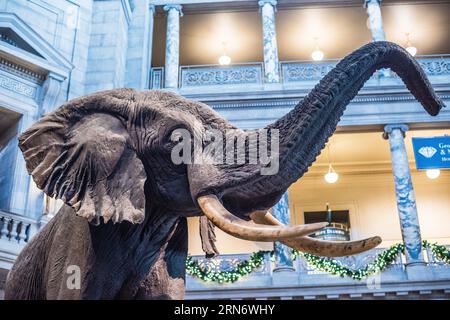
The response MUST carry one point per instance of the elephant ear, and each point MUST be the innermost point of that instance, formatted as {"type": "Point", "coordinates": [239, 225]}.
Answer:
{"type": "Point", "coordinates": [85, 158]}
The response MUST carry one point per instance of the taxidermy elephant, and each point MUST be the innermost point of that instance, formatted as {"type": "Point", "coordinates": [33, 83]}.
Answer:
{"type": "Point", "coordinates": [123, 225]}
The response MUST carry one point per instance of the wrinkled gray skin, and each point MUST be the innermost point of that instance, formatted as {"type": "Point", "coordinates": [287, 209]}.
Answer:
{"type": "Point", "coordinates": [107, 155]}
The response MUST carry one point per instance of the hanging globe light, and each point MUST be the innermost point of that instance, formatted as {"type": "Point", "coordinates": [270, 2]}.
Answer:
{"type": "Point", "coordinates": [433, 173]}
{"type": "Point", "coordinates": [331, 176]}
{"type": "Point", "coordinates": [409, 47]}
{"type": "Point", "coordinates": [224, 60]}
{"type": "Point", "coordinates": [412, 50]}
{"type": "Point", "coordinates": [317, 54]}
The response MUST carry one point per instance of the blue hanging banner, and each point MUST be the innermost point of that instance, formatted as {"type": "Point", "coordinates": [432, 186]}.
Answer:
{"type": "Point", "coordinates": [432, 153]}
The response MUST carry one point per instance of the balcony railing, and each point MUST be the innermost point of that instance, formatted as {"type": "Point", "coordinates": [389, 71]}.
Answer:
{"type": "Point", "coordinates": [292, 72]}
{"type": "Point", "coordinates": [304, 282]}
{"type": "Point", "coordinates": [296, 71]}
{"type": "Point", "coordinates": [15, 232]}
{"type": "Point", "coordinates": [15, 228]}
{"type": "Point", "coordinates": [307, 281]}
{"type": "Point", "coordinates": [213, 75]}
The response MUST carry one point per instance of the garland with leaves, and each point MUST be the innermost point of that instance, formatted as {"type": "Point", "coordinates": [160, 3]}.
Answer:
{"type": "Point", "coordinates": [244, 268]}
{"type": "Point", "coordinates": [334, 267]}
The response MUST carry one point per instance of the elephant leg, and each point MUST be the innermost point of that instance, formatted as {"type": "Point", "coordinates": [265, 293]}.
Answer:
{"type": "Point", "coordinates": [166, 278]}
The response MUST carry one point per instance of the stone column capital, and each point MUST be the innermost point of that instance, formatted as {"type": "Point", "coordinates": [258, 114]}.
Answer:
{"type": "Point", "coordinates": [366, 2]}
{"type": "Point", "coordinates": [152, 8]}
{"type": "Point", "coordinates": [55, 77]}
{"type": "Point", "coordinates": [391, 127]}
{"type": "Point", "coordinates": [51, 88]}
{"type": "Point", "coordinates": [177, 7]}
{"type": "Point", "coordinates": [273, 3]}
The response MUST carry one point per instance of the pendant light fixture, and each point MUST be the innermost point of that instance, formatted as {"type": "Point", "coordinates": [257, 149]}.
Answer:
{"type": "Point", "coordinates": [331, 176]}
{"type": "Point", "coordinates": [224, 59]}
{"type": "Point", "coordinates": [409, 47]}
{"type": "Point", "coordinates": [433, 173]}
{"type": "Point", "coordinates": [317, 54]}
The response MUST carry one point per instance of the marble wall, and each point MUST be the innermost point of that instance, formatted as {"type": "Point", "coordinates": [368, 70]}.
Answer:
{"type": "Point", "coordinates": [107, 47]}
{"type": "Point", "coordinates": [65, 25]}
{"type": "Point", "coordinates": [140, 40]}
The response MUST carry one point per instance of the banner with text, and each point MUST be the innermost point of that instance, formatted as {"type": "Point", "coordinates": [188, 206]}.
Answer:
{"type": "Point", "coordinates": [432, 153]}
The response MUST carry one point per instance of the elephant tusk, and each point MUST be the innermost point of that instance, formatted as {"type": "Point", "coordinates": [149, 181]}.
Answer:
{"type": "Point", "coordinates": [235, 226]}
{"type": "Point", "coordinates": [319, 247]}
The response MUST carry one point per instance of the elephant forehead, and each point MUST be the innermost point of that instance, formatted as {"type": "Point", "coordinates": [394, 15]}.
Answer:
{"type": "Point", "coordinates": [97, 123]}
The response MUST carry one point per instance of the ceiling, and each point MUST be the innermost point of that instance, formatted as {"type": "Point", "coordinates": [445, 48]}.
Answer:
{"type": "Point", "coordinates": [339, 30]}
{"type": "Point", "coordinates": [357, 153]}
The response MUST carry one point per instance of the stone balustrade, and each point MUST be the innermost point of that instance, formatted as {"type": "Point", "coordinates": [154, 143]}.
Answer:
{"type": "Point", "coordinates": [437, 67]}
{"type": "Point", "coordinates": [16, 228]}
{"type": "Point", "coordinates": [238, 74]}
{"type": "Point", "coordinates": [15, 232]}
{"type": "Point", "coordinates": [306, 282]}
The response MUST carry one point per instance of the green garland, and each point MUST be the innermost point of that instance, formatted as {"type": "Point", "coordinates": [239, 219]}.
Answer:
{"type": "Point", "coordinates": [382, 260]}
{"type": "Point", "coordinates": [334, 267]}
{"type": "Point", "coordinates": [244, 268]}
{"type": "Point", "coordinates": [440, 252]}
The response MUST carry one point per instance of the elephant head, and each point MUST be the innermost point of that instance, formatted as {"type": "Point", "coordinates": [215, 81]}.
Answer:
{"type": "Point", "coordinates": [108, 155]}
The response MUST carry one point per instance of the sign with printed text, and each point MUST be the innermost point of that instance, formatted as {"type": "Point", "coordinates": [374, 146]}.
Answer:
{"type": "Point", "coordinates": [432, 153]}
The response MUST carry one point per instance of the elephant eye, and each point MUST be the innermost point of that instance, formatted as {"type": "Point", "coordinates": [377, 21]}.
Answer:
{"type": "Point", "coordinates": [177, 133]}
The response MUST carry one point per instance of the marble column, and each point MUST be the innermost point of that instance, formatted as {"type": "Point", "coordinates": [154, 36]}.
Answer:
{"type": "Point", "coordinates": [406, 201]}
{"type": "Point", "coordinates": [149, 52]}
{"type": "Point", "coordinates": [172, 45]}
{"type": "Point", "coordinates": [20, 180]}
{"type": "Point", "coordinates": [283, 260]}
{"type": "Point", "coordinates": [376, 24]}
{"type": "Point", "coordinates": [375, 19]}
{"type": "Point", "coordinates": [271, 70]}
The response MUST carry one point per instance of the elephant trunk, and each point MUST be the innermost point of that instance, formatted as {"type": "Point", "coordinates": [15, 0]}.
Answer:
{"type": "Point", "coordinates": [305, 130]}
{"type": "Point", "coordinates": [303, 133]}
